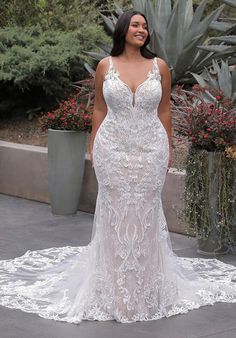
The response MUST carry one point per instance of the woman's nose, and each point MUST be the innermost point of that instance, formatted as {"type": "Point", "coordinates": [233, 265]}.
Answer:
{"type": "Point", "coordinates": [140, 29]}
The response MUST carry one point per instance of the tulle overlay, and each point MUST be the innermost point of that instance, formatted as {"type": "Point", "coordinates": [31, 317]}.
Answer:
{"type": "Point", "coordinates": [128, 272]}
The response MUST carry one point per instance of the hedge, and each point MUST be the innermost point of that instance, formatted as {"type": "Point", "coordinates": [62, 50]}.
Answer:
{"type": "Point", "coordinates": [37, 67]}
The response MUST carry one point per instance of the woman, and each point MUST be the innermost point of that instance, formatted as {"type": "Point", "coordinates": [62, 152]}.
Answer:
{"type": "Point", "coordinates": [128, 272]}
{"type": "Point", "coordinates": [129, 51]}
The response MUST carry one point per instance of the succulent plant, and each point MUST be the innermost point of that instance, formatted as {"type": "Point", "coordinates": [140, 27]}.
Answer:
{"type": "Point", "coordinates": [225, 24]}
{"type": "Point", "coordinates": [230, 2]}
{"type": "Point", "coordinates": [219, 77]}
{"type": "Point", "coordinates": [180, 35]}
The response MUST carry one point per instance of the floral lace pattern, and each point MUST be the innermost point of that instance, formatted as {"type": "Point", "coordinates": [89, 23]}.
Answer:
{"type": "Point", "coordinates": [128, 272]}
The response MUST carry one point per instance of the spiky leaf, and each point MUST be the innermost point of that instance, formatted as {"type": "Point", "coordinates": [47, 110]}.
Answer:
{"type": "Point", "coordinates": [219, 77]}
{"type": "Point", "coordinates": [162, 13]}
{"type": "Point", "coordinates": [229, 39]}
{"type": "Point", "coordinates": [218, 48]}
{"type": "Point", "coordinates": [221, 26]}
{"type": "Point", "coordinates": [229, 2]}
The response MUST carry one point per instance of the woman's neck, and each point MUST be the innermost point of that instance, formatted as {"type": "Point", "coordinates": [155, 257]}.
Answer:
{"type": "Point", "coordinates": [131, 53]}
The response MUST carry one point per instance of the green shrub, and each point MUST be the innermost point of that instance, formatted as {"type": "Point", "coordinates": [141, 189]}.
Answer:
{"type": "Point", "coordinates": [50, 14]}
{"type": "Point", "coordinates": [55, 14]}
{"type": "Point", "coordinates": [37, 67]}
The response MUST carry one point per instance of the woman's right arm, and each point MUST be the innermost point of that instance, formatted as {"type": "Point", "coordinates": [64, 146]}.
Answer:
{"type": "Point", "coordinates": [100, 107]}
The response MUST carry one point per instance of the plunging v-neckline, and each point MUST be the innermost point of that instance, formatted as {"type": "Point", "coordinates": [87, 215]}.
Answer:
{"type": "Point", "coordinates": [150, 72]}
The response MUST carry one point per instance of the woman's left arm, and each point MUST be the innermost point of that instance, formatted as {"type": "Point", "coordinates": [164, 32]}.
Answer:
{"type": "Point", "coordinates": [164, 112]}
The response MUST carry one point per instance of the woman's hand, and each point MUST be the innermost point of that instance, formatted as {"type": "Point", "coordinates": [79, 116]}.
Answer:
{"type": "Point", "coordinates": [91, 153]}
{"type": "Point", "coordinates": [170, 162]}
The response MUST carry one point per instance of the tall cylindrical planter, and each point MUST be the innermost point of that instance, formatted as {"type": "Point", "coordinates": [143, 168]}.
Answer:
{"type": "Point", "coordinates": [212, 244]}
{"type": "Point", "coordinates": [66, 158]}
{"type": "Point", "coordinates": [210, 197]}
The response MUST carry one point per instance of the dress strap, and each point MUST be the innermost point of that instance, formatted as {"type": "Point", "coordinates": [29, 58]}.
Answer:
{"type": "Point", "coordinates": [110, 70]}
{"type": "Point", "coordinates": [110, 61]}
{"type": "Point", "coordinates": [155, 64]}
{"type": "Point", "coordinates": [111, 64]}
{"type": "Point", "coordinates": [156, 67]}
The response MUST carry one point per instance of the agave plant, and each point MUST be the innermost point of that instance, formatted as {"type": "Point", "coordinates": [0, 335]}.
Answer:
{"type": "Point", "coordinates": [219, 77]}
{"type": "Point", "coordinates": [224, 25]}
{"type": "Point", "coordinates": [180, 36]}
{"type": "Point", "coordinates": [230, 2]}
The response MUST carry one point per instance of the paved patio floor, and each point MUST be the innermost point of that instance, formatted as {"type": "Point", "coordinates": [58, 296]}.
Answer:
{"type": "Point", "coordinates": [30, 225]}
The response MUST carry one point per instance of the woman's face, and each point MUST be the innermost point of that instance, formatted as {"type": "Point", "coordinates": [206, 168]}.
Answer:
{"type": "Point", "coordinates": [137, 32]}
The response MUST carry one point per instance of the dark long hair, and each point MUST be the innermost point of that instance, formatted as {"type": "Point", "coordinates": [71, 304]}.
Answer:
{"type": "Point", "coordinates": [121, 29]}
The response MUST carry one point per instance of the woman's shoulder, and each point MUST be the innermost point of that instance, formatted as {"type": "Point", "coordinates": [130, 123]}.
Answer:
{"type": "Point", "coordinates": [103, 62]}
{"type": "Point", "coordinates": [163, 66]}
{"type": "Point", "coordinates": [102, 66]}
{"type": "Point", "coordinates": [161, 62]}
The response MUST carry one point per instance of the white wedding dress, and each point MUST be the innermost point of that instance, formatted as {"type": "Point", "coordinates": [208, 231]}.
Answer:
{"type": "Point", "coordinates": [128, 272]}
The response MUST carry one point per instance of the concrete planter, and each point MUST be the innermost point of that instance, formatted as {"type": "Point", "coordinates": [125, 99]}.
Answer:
{"type": "Point", "coordinates": [66, 151]}
{"type": "Point", "coordinates": [210, 200]}
{"type": "Point", "coordinates": [212, 244]}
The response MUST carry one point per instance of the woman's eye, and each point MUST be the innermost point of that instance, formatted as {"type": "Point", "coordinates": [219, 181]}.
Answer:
{"type": "Point", "coordinates": [136, 25]}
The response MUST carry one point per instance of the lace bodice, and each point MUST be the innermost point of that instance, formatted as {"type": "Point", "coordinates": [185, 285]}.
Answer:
{"type": "Point", "coordinates": [120, 99]}
{"type": "Point", "coordinates": [132, 118]}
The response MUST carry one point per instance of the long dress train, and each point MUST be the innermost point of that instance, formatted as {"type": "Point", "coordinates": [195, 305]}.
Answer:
{"type": "Point", "coordinates": [128, 272]}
